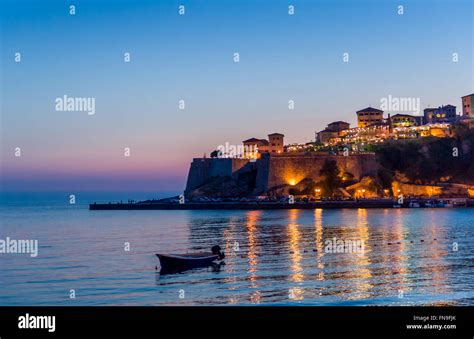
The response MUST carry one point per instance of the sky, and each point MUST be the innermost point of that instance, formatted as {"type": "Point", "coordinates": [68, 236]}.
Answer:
{"type": "Point", "coordinates": [190, 57]}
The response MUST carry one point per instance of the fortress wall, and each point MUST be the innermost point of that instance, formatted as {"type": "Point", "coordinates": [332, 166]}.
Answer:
{"type": "Point", "coordinates": [202, 169]}
{"type": "Point", "coordinates": [198, 173]}
{"type": "Point", "coordinates": [276, 170]}
{"type": "Point", "coordinates": [263, 171]}
{"type": "Point", "coordinates": [238, 164]}
{"type": "Point", "coordinates": [242, 168]}
{"type": "Point", "coordinates": [284, 170]}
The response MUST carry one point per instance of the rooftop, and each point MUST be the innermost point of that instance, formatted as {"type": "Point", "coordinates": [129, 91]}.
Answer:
{"type": "Point", "coordinates": [328, 130]}
{"type": "Point", "coordinates": [369, 109]}
{"type": "Point", "coordinates": [338, 122]}
{"type": "Point", "coordinates": [263, 141]}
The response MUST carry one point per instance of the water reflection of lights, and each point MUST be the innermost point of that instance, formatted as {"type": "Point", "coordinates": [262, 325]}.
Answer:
{"type": "Point", "coordinates": [434, 261]}
{"type": "Point", "coordinates": [361, 261]}
{"type": "Point", "coordinates": [229, 239]}
{"type": "Point", "coordinates": [399, 260]}
{"type": "Point", "coordinates": [252, 219]}
{"type": "Point", "coordinates": [318, 225]}
{"type": "Point", "coordinates": [296, 292]}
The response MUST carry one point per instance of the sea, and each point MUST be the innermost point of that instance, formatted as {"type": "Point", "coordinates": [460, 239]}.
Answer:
{"type": "Point", "coordinates": [273, 258]}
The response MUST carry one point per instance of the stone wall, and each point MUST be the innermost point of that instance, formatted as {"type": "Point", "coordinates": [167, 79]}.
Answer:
{"type": "Point", "coordinates": [439, 190]}
{"type": "Point", "coordinates": [277, 170]}
{"type": "Point", "coordinates": [203, 169]}
{"type": "Point", "coordinates": [291, 169]}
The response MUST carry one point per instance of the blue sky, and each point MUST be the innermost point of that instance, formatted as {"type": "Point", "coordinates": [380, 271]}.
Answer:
{"type": "Point", "coordinates": [190, 57]}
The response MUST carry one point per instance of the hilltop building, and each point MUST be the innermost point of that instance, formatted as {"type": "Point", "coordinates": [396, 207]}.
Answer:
{"type": "Point", "coordinates": [467, 102]}
{"type": "Point", "coordinates": [338, 126]}
{"type": "Point", "coordinates": [369, 116]}
{"type": "Point", "coordinates": [372, 128]}
{"type": "Point", "coordinates": [325, 135]}
{"type": "Point", "coordinates": [405, 120]}
{"type": "Point", "coordinates": [260, 144]}
{"type": "Point", "coordinates": [274, 144]}
{"type": "Point", "coordinates": [442, 114]}
{"type": "Point", "coordinates": [428, 114]}
{"type": "Point", "coordinates": [333, 130]}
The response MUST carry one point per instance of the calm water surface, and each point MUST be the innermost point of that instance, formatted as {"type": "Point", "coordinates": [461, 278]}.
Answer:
{"type": "Point", "coordinates": [281, 259]}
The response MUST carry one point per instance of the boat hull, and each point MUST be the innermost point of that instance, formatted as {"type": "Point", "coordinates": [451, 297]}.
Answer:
{"type": "Point", "coordinates": [179, 263]}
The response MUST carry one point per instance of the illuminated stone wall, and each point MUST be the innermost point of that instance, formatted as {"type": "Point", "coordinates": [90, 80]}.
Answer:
{"type": "Point", "coordinates": [415, 190]}
{"type": "Point", "coordinates": [290, 169]}
{"type": "Point", "coordinates": [277, 170]}
{"type": "Point", "coordinates": [444, 189]}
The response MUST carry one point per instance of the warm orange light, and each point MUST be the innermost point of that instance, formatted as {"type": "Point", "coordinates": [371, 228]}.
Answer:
{"type": "Point", "coordinates": [292, 182]}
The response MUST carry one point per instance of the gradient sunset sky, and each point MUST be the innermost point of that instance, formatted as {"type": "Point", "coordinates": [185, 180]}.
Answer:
{"type": "Point", "coordinates": [190, 57]}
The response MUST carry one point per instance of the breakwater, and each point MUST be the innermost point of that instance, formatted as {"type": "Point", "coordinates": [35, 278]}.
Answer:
{"type": "Point", "coordinates": [255, 205]}
{"type": "Point", "coordinates": [379, 203]}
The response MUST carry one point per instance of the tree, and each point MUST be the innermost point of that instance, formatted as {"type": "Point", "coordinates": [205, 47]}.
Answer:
{"type": "Point", "coordinates": [216, 154]}
{"type": "Point", "coordinates": [385, 178]}
{"type": "Point", "coordinates": [331, 177]}
{"type": "Point", "coordinates": [294, 191]}
{"type": "Point", "coordinates": [428, 160]}
{"type": "Point", "coordinates": [308, 187]}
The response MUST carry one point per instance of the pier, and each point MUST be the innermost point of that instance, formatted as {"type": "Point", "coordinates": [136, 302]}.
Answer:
{"type": "Point", "coordinates": [255, 205]}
